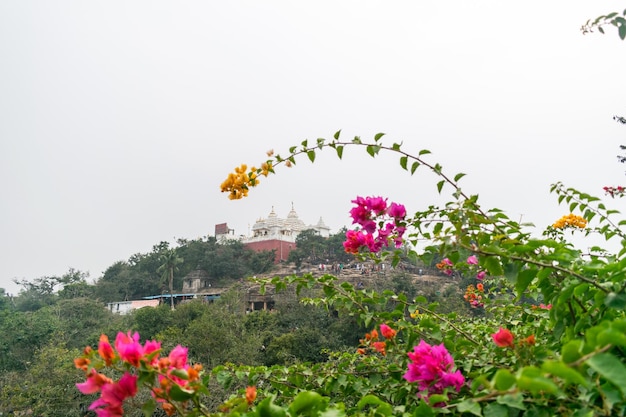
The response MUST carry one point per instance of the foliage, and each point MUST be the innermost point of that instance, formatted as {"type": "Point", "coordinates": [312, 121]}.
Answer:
{"type": "Point", "coordinates": [614, 19]}
{"type": "Point", "coordinates": [549, 338]}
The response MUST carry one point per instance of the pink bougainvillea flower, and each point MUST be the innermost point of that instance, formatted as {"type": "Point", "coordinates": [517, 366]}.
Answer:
{"type": "Point", "coordinates": [432, 367]}
{"type": "Point", "coordinates": [472, 260]}
{"type": "Point", "coordinates": [481, 275]}
{"type": "Point", "coordinates": [95, 381]}
{"type": "Point", "coordinates": [381, 225]}
{"type": "Point", "coordinates": [387, 331]}
{"type": "Point", "coordinates": [129, 348]}
{"type": "Point", "coordinates": [113, 395]}
{"type": "Point", "coordinates": [397, 211]}
{"type": "Point", "coordinates": [503, 338]}
{"type": "Point", "coordinates": [178, 357]}
{"type": "Point", "coordinates": [149, 348]}
{"type": "Point", "coordinates": [105, 350]}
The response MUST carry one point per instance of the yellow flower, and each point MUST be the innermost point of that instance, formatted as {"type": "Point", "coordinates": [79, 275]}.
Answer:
{"type": "Point", "coordinates": [237, 183]}
{"type": "Point", "coordinates": [570, 220]}
{"type": "Point", "coordinates": [266, 168]}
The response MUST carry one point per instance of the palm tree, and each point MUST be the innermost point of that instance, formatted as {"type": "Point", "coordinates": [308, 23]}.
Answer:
{"type": "Point", "coordinates": [169, 264]}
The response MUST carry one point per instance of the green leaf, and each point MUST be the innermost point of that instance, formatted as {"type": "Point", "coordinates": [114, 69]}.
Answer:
{"type": "Point", "coordinates": [423, 152]}
{"type": "Point", "coordinates": [304, 402]}
{"type": "Point", "coordinates": [469, 406]}
{"type": "Point", "coordinates": [180, 394]}
{"type": "Point", "coordinates": [414, 166]}
{"type": "Point", "coordinates": [336, 135]}
{"type": "Point", "coordinates": [373, 150]}
{"type": "Point", "coordinates": [611, 368]}
{"type": "Point", "coordinates": [493, 266]}
{"type": "Point", "coordinates": [311, 155]}
{"type": "Point", "coordinates": [356, 140]}
{"type": "Point", "coordinates": [403, 161]}
{"type": "Point", "coordinates": [504, 380]}
{"type": "Point", "coordinates": [440, 185]}
{"type": "Point", "coordinates": [617, 301]}
{"type": "Point", "coordinates": [611, 336]}
{"type": "Point", "coordinates": [424, 410]}
{"type": "Point", "coordinates": [561, 370]}
{"type": "Point", "coordinates": [458, 176]}
{"type": "Point", "coordinates": [339, 150]}
{"type": "Point", "coordinates": [512, 401]}
{"type": "Point", "coordinates": [496, 410]}
{"type": "Point", "coordinates": [320, 142]}
{"type": "Point", "coordinates": [524, 278]}
{"type": "Point", "coordinates": [378, 136]}
{"type": "Point", "coordinates": [305, 143]}
{"type": "Point", "coordinates": [571, 351]}
{"type": "Point", "coordinates": [148, 408]}
{"type": "Point", "coordinates": [622, 31]}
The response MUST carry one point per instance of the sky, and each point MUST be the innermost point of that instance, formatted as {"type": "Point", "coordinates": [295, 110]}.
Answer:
{"type": "Point", "coordinates": [120, 119]}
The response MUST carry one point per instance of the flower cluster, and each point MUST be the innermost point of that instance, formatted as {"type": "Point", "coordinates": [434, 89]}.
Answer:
{"type": "Point", "coordinates": [238, 183]}
{"type": "Point", "coordinates": [505, 339]}
{"type": "Point", "coordinates": [445, 266]}
{"type": "Point", "coordinates": [618, 191]}
{"type": "Point", "coordinates": [570, 220]}
{"type": "Point", "coordinates": [381, 225]}
{"type": "Point", "coordinates": [432, 367]}
{"type": "Point", "coordinates": [133, 358]}
{"type": "Point", "coordinates": [371, 340]}
{"type": "Point", "coordinates": [474, 295]}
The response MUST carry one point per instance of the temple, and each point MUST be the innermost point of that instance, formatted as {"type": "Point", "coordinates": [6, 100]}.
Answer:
{"type": "Point", "coordinates": [274, 233]}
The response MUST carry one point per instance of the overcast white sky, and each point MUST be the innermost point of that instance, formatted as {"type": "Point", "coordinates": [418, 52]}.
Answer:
{"type": "Point", "coordinates": [120, 119]}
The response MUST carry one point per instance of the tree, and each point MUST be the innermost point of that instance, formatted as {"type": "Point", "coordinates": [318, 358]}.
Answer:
{"type": "Point", "coordinates": [169, 264]}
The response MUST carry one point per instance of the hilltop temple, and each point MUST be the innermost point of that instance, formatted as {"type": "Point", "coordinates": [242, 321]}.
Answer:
{"type": "Point", "coordinates": [274, 233]}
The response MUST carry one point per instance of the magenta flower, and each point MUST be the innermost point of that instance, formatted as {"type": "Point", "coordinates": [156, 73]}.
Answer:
{"type": "Point", "coordinates": [481, 275]}
{"type": "Point", "coordinates": [472, 260]}
{"type": "Point", "coordinates": [432, 367]}
{"type": "Point", "coordinates": [113, 395]}
{"type": "Point", "coordinates": [379, 224]}
{"type": "Point", "coordinates": [129, 348]}
{"type": "Point", "coordinates": [178, 357]}
{"type": "Point", "coordinates": [397, 211]}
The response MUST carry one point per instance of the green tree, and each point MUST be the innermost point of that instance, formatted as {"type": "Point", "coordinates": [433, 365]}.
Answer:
{"type": "Point", "coordinates": [169, 264]}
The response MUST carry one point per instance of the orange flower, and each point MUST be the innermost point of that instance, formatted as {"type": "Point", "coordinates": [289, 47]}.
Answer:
{"type": "Point", "coordinates": [360, 351]}
{"type": "Point", "coordinates": [530, 340]}
{"type": "Point", "coordinates": [250, 394]}
{"type": "Point", "coordinates": [380, 347]}
{"type": "Point", "coordinates": [105, 350]}
{"type": "Point", "coordinates": [373, 335]}
{"type": "Point", "coordinates": [168, 408]}
{"type": "Point", "coordinates": [480, 287]}
{"type": "Point", "coordinates": [82, 363]}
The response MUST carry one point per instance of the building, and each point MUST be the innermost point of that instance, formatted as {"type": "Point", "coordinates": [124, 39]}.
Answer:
{"type": "Point", "coordinates": [275, 233]}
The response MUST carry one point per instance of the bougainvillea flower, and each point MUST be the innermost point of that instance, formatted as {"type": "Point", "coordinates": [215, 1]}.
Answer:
{"type": "Point", "coordinates": [129, 348]}
{"type": "Point", "coordinates": [178, 357]}
{"type": "Point", "coordinates": [387, 331]}
{"type": "Point", "coordinates": [503, 338]}
{"type": "Point", "coordinates": [397, 211]}
{"type": "Point", "coordinates": [105, 350]}
{"type": "Point", "coordinates": [373, 335]}
{"type": "Point", "coordinates": [530, 340]}
{"type": "Point", "coordinates": [432, 367]}
{"type": "Point", "coordinates": [481, 275]}
{"type": "Point", "coordinates": [380, 347]}
{"type": "Point", "coordinates": [95, 381]}
{"type": "Point", "coordinates": [250, 394]}
{"type": "Point", "coordinates": [472, 260]}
